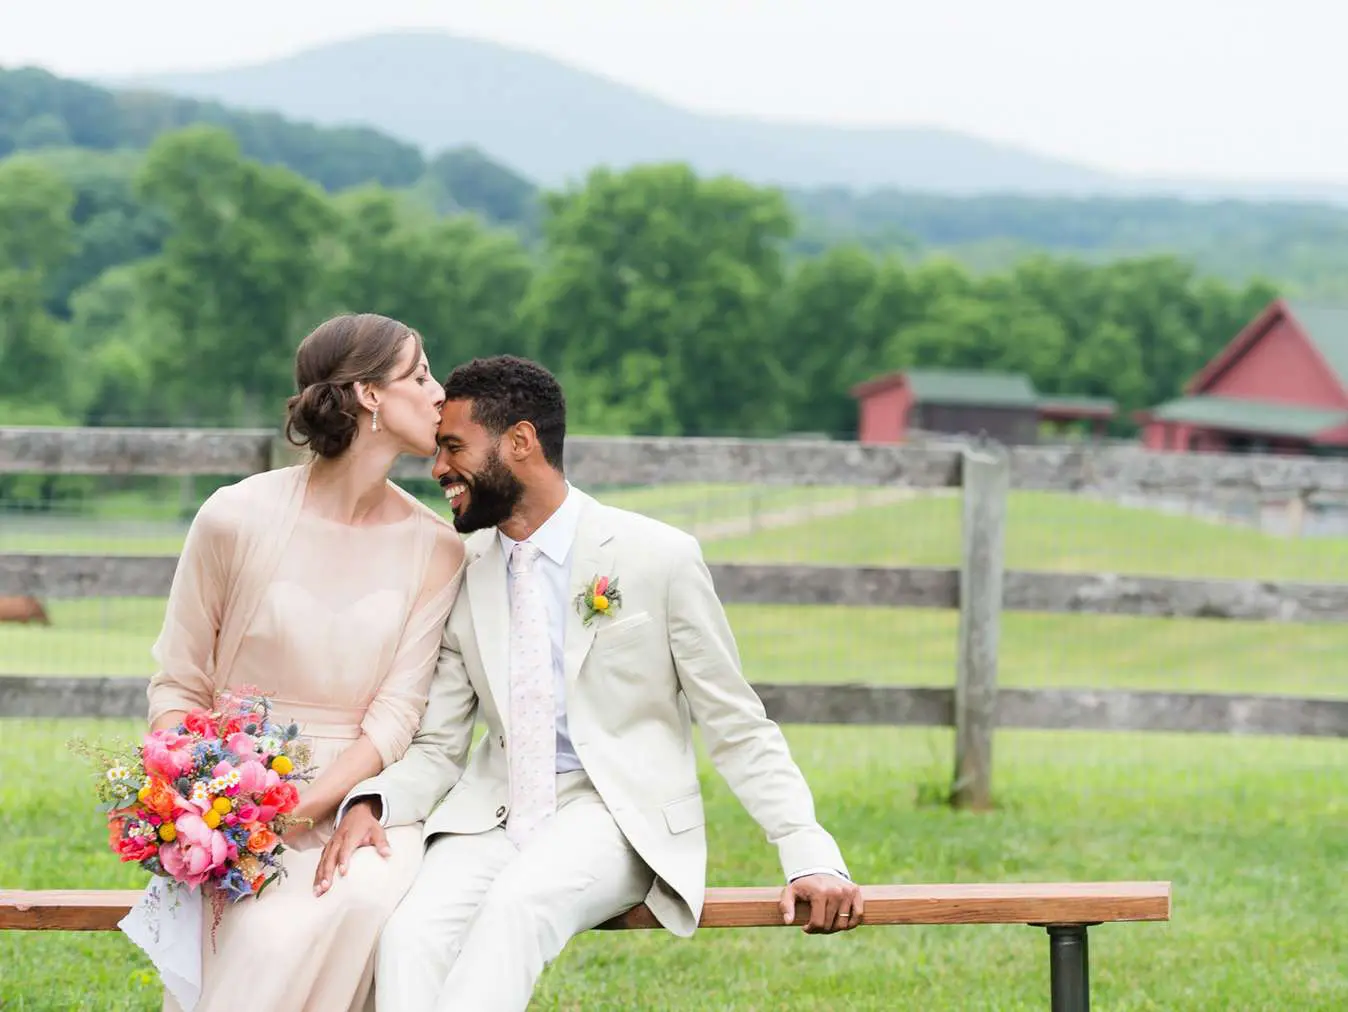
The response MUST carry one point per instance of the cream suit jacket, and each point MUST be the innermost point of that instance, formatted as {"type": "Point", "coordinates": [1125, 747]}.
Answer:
{"type": "Point", "coordinates": [635, 681]}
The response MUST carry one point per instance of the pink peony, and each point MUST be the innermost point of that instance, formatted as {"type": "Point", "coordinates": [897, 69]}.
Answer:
{"type": "Point", "coordinates": [167, 754]}
{"type": "Point", "coordinates": [254, 778]}
{"type": "Point", "coordinates": [243, 745]}
{"type": "Point", "coordinates": [197, 851]}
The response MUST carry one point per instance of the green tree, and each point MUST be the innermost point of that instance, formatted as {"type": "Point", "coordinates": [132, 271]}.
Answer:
{"type": "Point", "coordinates": [239, 277]}
{"type": "Point", "coordinates": [685, 270]}
{"type": "Point", "coordinates": [35, 239]}
{"type": "Point", "coordinates": [457, 281]}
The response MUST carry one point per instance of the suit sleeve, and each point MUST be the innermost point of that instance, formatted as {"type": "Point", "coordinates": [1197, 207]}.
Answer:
{"type": "Point", "coordinates": [747, 748]}
{"type": "Point", "coordinates": [411, 787]}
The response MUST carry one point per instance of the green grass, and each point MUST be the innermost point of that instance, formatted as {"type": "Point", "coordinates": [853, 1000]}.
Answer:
{"type": "Point", "coordinates": [836, 644]}
{"type": "Point", "coordinates": [130, 525]}
{"type": "Point", "coordinates": [1045, 531]}
{"type": "Point", "coordinates": [1250, 831]}
{"type": "Point", "coordinates": [1048, 531]}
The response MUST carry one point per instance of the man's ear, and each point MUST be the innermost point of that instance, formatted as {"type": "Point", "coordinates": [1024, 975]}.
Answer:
{"type": "Point", "coordinates": [523, 438]}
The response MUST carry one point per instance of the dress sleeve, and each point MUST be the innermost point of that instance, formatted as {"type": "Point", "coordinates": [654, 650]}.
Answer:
{"type": "Point", "coordinates": [395, 712]}
{"type": "Point", "coordinates": [185, 649]}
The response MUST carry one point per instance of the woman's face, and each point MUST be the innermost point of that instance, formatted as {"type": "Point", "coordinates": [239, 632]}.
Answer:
{"type": "Point", "coordinates": [409, 404]}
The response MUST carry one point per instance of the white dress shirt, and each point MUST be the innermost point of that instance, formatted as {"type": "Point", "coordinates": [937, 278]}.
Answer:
{"type": "Point", "coordinates": [554, 540]}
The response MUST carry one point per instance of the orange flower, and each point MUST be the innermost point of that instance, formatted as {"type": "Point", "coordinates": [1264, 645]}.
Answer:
{"type": "Point", "coordinates": [159, 797]}
{"type": "Point", "coordinates": [262, 840]}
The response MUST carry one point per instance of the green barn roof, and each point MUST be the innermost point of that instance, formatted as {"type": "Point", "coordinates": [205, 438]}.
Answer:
{"type": "Point", "coordinates": [957, 386]}
{"type": "Point", "coordinates": [1255, 417]}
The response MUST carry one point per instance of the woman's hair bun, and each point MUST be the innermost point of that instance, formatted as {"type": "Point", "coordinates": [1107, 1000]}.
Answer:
{"type": "Point", "coordinates": [322, 416]}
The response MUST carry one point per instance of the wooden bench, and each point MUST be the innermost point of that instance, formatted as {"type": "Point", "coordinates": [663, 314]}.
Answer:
{"type": "Point", "coordinates": [1065, 910]}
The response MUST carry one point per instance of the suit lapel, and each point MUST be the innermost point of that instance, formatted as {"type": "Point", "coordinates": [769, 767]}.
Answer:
{"type": "Point", "coordinates": [591, 557]}
{"type": "Point", "coordinates": [490, 600]}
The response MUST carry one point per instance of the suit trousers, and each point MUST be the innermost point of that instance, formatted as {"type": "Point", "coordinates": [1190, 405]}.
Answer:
{"type": "Point", "coordinates": [483, 917]}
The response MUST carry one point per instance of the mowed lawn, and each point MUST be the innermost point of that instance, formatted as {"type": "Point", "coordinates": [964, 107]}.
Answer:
{"type": "Point", "coordinates": [1250, 831]}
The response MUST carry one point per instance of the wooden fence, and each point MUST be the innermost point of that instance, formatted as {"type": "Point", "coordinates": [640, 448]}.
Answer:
{"type": "Point", "coordinates": [981, 588]}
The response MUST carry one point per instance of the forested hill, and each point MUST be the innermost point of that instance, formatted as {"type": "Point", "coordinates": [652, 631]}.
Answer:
{"type": "Point", "coordinates": [40, 111]}
{"type": "Point", "coordinates": [1302, 245]}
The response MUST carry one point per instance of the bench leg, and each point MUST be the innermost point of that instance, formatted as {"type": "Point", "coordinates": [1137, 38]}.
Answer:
{"type": "Point", "coordinates": [1069, 968]}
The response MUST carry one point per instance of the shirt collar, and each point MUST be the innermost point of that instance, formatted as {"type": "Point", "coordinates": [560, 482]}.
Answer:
{"type": "Point", "coordinates": [555, 537]}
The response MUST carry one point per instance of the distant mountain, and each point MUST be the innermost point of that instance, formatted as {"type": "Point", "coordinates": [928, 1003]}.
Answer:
{"type": "Point", "coordinates": [554, 122]}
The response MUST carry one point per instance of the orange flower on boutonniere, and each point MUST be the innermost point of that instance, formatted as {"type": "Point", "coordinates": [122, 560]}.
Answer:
{"type": "Point", "coordinates": [601, 596]}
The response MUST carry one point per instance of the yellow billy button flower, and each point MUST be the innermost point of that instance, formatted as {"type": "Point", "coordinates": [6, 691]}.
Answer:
{"type": "Point", "coordinates": [282, 765]}
{"type": "Point", "coordinates": [600, 602]}
{"type": "Point", "coordinates": [211, 818]}
{"type": "Point", "coordinates": [144, 792]}
{"type": "Point", "coordinates": [168, 832]}
{"type": "Point", "coordinates": [222, 805]}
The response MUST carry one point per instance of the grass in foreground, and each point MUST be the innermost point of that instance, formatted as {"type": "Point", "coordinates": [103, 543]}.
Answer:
{"type": "Point", "coordinates": [1250, 831]}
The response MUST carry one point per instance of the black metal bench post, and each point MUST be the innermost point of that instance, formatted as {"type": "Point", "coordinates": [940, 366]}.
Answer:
{"type": "Point", "coordinates": [1068, 967]}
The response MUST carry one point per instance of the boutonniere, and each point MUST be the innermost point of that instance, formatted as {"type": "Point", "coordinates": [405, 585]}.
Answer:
{"type": "Point", "coordinates": [600, 597]}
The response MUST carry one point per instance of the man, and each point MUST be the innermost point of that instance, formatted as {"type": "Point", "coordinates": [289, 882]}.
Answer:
{"type": "Point", "coordinates": [586, 638]}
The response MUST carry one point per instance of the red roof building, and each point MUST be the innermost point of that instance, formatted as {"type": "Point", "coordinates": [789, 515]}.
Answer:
{"type": "Point", "coordinates": [1005, 406]}
{"type": "Point", "coordinates": [1280, 386]}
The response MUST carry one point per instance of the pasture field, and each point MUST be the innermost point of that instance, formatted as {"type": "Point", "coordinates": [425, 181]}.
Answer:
{"type": "Point", "coordinates": [1252, 831]}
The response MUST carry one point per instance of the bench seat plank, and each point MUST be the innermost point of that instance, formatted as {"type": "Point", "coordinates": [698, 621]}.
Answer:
{"type": "Point", "coordinates": [743, 907]}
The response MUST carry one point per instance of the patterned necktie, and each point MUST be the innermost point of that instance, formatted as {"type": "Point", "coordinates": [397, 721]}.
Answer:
{"type": "Point", "coordinates": [533, 717]}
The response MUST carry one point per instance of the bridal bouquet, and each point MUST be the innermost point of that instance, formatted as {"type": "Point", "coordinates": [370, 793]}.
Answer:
{"type": "Point", "coordinates": [206, 804]}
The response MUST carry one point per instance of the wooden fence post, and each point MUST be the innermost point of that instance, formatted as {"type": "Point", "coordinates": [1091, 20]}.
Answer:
{"type": "Point", "coordinates": [986, 472]}
{"type": "Point", "coordinates": [283, 453]}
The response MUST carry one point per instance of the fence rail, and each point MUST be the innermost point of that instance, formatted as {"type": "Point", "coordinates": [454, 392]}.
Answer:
{"type": "Point", "coordinates": [45, 575]}
{"type": "Point", "coordinates": [873, 705]}
{"type": "Point", "coordinates": [597, 460]}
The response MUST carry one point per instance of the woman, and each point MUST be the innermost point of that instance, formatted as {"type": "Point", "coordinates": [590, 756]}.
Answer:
{"type": "Point", "coordinates": [326, 587]}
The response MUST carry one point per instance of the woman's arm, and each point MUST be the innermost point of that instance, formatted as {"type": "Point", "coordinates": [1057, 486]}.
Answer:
{"type": "Point", "coordinates": [396, 710]}
{"type": "Point", "coordinates": [192, 619]}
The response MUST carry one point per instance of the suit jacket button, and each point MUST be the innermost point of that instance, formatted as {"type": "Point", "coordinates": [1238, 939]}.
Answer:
{"type": "Point", "coordinates": [501, 741]}
{"type": "Point", "coordinates": [500, 812]}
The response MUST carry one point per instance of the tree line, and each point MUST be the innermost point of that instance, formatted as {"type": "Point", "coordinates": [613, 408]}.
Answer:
{"type": "Point", "coordinates": [173, 289]}
{"type": "Point", "coordinates": [94, 131]}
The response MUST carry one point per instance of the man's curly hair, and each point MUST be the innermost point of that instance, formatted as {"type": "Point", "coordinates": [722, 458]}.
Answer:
{"type": "Point", "coordinates": [506, 390]}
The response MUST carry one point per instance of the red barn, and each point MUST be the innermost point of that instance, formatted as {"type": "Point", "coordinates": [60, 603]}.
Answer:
{"type": "Point", "coordinates": [966, 402]}
{"type": "Point", "coordinates": [1280, 386]}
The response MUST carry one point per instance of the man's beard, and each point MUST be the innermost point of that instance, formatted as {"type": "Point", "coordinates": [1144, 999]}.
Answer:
{"type": "Point", "coordinates": [493, 494]}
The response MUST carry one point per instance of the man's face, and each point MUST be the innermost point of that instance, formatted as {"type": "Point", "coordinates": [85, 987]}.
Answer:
{"type": "Point", "coordinates": [481, 488]}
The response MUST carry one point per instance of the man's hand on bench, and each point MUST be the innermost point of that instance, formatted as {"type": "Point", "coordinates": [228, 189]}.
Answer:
{"type": "Point", "coordinates": [835, 903]}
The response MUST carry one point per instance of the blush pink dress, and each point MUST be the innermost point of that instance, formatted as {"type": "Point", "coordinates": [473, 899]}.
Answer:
{"type": "Point", "coordinates": [341, 626]}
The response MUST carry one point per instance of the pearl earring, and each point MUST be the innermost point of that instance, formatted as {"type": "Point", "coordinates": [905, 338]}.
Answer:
{"type": "Point", "coordinates": [374, 422]}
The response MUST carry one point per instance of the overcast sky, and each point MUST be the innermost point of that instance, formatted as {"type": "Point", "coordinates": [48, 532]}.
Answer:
{"type": "Point", "coordinates": [1250, 89]}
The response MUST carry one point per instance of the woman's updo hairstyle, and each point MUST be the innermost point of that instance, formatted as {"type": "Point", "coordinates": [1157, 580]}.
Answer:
{"type": "Point", "coordinates": [343, 351]}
